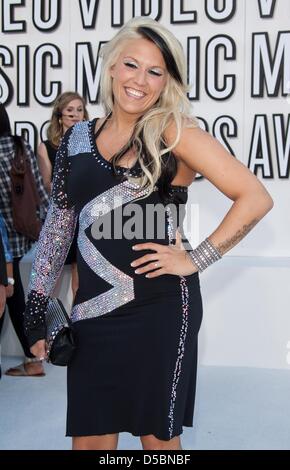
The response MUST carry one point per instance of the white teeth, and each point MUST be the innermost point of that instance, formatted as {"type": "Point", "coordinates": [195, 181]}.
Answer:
{"type": "Point", "coordinates": [138, 94]}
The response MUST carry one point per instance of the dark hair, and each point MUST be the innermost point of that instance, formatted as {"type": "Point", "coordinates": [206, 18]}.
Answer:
{"type": "Point", "coordinates": [5, 131]}
{"type": "Point", "coordinates": [169, 60]}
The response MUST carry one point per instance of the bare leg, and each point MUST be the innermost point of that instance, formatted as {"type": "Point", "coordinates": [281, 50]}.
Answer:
{"type": "Point", "coordinates": [103, 442]}
{"type": "Point", "coordinates": [151, 442]}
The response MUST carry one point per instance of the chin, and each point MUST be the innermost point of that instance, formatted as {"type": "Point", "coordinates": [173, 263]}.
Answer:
{"type": "Point", "coordinates": [134, 109]}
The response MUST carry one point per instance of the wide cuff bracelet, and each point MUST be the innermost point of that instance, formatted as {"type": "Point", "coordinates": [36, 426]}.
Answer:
{"type": "Point", "coordinates": [204, 255]}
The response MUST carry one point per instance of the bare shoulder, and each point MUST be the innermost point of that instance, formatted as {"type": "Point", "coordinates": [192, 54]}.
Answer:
{"type": "Point", "coordinates": [196, 147]}
{"type": "Point", "coordinates": [208, 157]}
{"type": "Point", "coordinates": [42, 151]}
{"type": "Point", "coordinates": [41, 147]}
{"type": "Point", "coordinates": [190, 136]}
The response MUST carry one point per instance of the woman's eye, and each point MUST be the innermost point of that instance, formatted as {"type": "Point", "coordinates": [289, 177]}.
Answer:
{"type": "Point", "coordinates": [131, 65]}
{"type": "Point", "coordinates": [155, 72]}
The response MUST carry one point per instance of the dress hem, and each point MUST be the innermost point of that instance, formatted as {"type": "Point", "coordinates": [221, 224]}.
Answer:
{"type": "Point", "coordinates": [134, 433]}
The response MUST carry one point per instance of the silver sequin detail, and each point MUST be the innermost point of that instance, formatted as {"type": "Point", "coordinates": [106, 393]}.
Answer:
{"type": "Point", "coordinates": [170, 226]}
{"type": "Point", "coordinates": [120, 170]}
{"type": "Point", "coordinates": [183, 331]}
{"type": "Point", "coordinates": [79, 139]}
{"type": "Point", "coordinates": [122, 291]}
{"type": "Point", "coordinates": [53, 245]}
{"type": "Point", "coordinates": [204, 255]}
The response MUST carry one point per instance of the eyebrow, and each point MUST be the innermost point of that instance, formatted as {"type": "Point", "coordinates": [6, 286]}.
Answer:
{"type": "Point", "coordinates": [151, 67]}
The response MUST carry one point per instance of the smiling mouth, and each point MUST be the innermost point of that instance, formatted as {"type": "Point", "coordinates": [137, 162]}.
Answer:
{"type": "Point", "coordinates": [135, 93]}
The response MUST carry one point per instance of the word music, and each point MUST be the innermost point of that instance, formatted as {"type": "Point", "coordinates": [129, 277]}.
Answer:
{"type": "Point", "coordinates": [38, 69]}
{"type": "Point", "coordinates": [266, 68]}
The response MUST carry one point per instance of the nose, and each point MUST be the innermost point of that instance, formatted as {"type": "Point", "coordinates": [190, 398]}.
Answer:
{"type": "Point", "coordinates": [76, 114]}
{"type": "Point", "coordinates": [140, 77]}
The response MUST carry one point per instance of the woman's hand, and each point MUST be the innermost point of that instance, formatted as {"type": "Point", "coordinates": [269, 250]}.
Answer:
{"type": "Point", "coordinates": [169, 259]}
{"type": "Point", "coordinates": [39, 349]}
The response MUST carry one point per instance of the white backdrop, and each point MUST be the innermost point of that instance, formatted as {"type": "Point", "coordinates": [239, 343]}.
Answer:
{"type": "Point", "coordinates": [238, 54]}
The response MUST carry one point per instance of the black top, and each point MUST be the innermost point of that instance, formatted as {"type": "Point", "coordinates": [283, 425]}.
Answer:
{"type": "Point", "coordinates": [51, 152]}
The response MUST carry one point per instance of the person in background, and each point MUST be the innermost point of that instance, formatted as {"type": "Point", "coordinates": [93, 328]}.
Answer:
{"type": "Point", "coordinates": [19, 244]}
{"type": "Point", "coordinates": [3, 284]}
{"type": "Point", "coordinates": [69, 108]}
{"type": "Point", "coordinates": [6, 273]}
{"type": "Point", "coordinates": [8, 258]}
{"type": "Point", "coordinates": [3, 278]}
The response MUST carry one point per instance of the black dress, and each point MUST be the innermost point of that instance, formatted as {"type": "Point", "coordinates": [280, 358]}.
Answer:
{"type": "Point", "coordinates": [51, 152]}
{"type": "Point", "coordinates": [134, 369]}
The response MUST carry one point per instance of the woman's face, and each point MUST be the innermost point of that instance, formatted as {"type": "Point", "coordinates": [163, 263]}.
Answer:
{"type": "Point", "coordinates": [139, 77]}
{"type": "Point", "coordinates": [72, 113]}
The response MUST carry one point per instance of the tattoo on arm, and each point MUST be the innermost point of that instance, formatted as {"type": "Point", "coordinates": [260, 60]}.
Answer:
{"type": "Point", "coordinates": [226, 245]}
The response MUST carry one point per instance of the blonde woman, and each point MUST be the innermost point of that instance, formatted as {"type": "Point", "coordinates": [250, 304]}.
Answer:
{"type": "Point", "coordinates": [138, 308]}
{"type": "Point", "coordinates": [69, 108]}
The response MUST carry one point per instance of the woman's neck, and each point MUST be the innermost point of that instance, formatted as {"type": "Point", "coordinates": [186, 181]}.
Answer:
{"type": "Point", "coordinates": [122, 123]}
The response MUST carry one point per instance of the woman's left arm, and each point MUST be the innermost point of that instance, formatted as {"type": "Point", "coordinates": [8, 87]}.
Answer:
{"type": "Point", "coordinates": [204, 154]}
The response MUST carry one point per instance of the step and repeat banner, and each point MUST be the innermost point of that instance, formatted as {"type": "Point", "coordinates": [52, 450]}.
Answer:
{"type": "Point", "coordinates": [238, 57]}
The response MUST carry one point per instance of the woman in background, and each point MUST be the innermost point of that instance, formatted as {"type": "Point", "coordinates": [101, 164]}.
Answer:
{"type": "Point", "coordinates": [69, 108]}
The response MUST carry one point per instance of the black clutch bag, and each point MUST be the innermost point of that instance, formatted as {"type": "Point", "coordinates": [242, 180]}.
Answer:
{"type": "Point", "coordinates": [59, 334]}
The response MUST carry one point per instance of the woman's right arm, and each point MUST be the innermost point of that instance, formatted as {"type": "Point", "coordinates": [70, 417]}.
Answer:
{"type": "Point", "coordinates": [52, 248]}
{"type": "Point", "coordinates": [45, 167]}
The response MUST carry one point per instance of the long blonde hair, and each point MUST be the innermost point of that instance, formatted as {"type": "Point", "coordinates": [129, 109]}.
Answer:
{"type": "Point", "coordinates": [172, 107]}
{"type": "Point", "coordinates": [54, 130]}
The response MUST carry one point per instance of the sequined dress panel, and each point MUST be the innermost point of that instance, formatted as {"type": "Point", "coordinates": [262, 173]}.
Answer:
{"type": "Point", "coordinates": [135, 365]}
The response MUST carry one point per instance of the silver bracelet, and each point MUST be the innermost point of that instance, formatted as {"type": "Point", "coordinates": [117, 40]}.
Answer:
{"type": "Point", "coordinates": [204, 255]}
